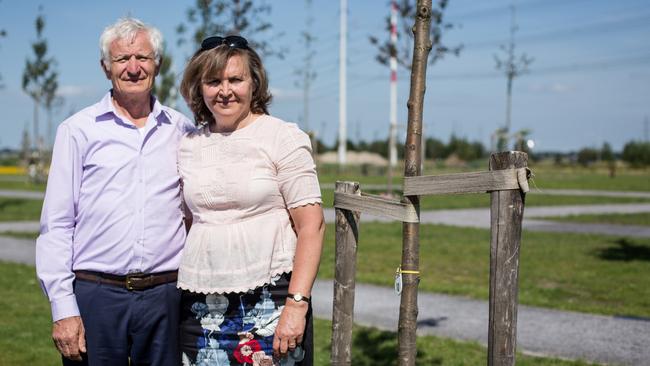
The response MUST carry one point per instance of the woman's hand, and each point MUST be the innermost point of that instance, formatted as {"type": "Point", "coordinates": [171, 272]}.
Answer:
{"type": "Point", "coordinates": [290, 328]}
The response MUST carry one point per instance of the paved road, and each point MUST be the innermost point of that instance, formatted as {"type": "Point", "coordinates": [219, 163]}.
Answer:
{"type": "Point", "coordinates": [603, 339]}
{"type": "Point", "coordinates": [22, 194]}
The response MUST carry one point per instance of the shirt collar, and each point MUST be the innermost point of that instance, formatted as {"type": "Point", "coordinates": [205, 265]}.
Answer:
{"type": "Point", "coordinates": [106, 111]}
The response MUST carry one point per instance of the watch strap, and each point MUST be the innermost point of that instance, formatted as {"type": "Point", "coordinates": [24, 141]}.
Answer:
{"type": "Point", "coordinates": [297, 297]}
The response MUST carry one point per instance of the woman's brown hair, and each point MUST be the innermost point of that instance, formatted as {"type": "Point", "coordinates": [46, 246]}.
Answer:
{"type": "Point", "coordinates": [205, 64]}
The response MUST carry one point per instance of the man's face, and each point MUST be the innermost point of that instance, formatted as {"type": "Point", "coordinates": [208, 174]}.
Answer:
{"type": "Point", "coordinates": [132, 69]}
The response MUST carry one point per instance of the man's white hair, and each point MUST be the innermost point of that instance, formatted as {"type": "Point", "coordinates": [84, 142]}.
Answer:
{"type": "Point", "coordinates": [128, 28]}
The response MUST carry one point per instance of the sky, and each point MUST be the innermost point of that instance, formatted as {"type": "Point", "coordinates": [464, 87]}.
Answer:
{"type": "Point", "coordinates": [589, 81]}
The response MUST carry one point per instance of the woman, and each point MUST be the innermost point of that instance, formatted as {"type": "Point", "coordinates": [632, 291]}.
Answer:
{"type": "Point", "coordinates": [255, 241]}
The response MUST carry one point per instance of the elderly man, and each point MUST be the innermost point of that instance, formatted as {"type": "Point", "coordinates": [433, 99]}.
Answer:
{"type": "Point", "coordinates": [112, 224]}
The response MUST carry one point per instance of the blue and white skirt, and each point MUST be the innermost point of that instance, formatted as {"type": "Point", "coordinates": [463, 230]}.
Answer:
{"type": "Point", "coordinates": [238, 328]}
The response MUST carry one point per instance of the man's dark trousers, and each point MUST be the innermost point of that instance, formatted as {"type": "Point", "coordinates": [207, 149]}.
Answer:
{"type": "Point", "coordinates": [121, 324]}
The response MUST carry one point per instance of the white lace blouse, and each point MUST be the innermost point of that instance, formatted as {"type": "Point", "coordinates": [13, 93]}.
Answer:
{"type": "Point", "coordinates": [239, 187]}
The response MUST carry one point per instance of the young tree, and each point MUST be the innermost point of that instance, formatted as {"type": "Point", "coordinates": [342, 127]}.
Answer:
{"type": "Point", "coordinates": [407, 10]}
{"type": "Point", "coordinates": [230, 17]}
{"type": "Point", "coordinates": [513, 67]}
{"type": "Point", "coordinates": [51, 101]}
{"type": "Point", "coordinates": [165, 88]}
{"type": "Point", "coordinates": [37, 73]}
{"type": "Point", "coordinates": [3, 33]}
{"type": "Point", "coordinates": [306, 75]}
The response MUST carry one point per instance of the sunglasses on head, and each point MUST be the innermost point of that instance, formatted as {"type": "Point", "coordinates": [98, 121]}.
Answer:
{"type": "Point", "coordinates": [230, 41]}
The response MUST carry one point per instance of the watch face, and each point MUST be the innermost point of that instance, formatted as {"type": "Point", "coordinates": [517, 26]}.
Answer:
{"type": "Point", "coordinates": [297, 297]}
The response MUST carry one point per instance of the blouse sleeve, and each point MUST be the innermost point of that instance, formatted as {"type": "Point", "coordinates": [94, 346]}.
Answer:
{"type": "Point", "coordinates": [296, 169]}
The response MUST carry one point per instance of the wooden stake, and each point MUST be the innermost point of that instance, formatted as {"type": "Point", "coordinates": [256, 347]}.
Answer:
{"type": "Point", "coordinates": [506, 214]}
{"type": "Point", "coordinates": [347, 237]}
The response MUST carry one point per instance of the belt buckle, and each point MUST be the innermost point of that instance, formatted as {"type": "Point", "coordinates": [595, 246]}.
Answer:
{"type": "Point", "coordinates": [129, 280]}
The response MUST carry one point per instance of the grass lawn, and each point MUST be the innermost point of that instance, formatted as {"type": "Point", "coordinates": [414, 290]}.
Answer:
{"type": "Point", "coordinates": [17, 209]}
{"type": "Point", "coordinates": [483, 200]}
{"type": "Point", "coordinates": [551, 177]}
{"type": "Point", "coordinates": [545, 177]}
{"type": "Point", "coordinates": [373, 347]}
{"type": "Point", "coordinates": [25, 334]}
{"type": "Point", "coordinates": [580, 272]}
{"type": "Point", "coordinates": [19, 182]}
{"type": "Point", "coordinates": [19, 235]}
{"type": "Point", "coordinates": [641, 219]}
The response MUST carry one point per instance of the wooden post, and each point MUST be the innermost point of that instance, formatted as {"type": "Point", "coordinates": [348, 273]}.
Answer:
{"type": "Point", "coordinates": [347, 236]}
{"type": "Point", "coordinates": [506, 213]}
{"type": "Point", "coordinates": [408, 308]}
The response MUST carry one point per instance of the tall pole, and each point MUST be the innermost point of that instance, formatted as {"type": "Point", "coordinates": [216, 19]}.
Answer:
{"type": "Point", "coordinates": [342, 84]}
{"type": "Point", "coordinates": [511, 72]}
{"type": "Point", "coordinates": [408, 309]}
{"type": "Point", "coordinates": [392, 139]}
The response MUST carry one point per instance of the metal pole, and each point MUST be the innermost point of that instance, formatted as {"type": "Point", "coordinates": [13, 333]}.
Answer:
{"type": "Point", "coordinates": [342, 84]}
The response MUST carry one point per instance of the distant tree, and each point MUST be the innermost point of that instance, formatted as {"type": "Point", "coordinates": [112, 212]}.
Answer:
{"type": "Point", "coordinates": [25, 145]}
{"type": "Point", "coordinates": [521, 140]}
{"type": "Point", "coordinates": [306, 74]}
{"type": "Point", "coordinates": [3, 33]}
{"type": "Point", "coordinates": [637, 153]}
{"type": "Point", "coordinates": [606, 153]}
{"type": "Point", "coordinates": [587, 156]}
{"type": "Point", "coordinates": [38, 73]}
{"type": "Point", "coordinates": [165, 89]}
{"type": "Point", "coordinates": [51, 101]}
{"type": "Point", "coordinates": [379, 147]}
{"type": "Point", "coordinates": [320, 146]}
{"type": "Point", "coordinates": [230, 17]}
{"type": "Point", "coordinates": [464, 149]}
{"type": "Point", "coordinates": [512, 66]}
{"type": "Point", "coordinates": [406, 10]}
{"type": "Point", "coordinates": [435, 148]}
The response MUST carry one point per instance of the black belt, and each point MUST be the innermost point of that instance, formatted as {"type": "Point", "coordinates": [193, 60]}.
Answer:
{"type": "Point", "coordinates": [132, 281]}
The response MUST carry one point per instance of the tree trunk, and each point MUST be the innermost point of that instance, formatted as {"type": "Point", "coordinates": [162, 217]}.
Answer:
{"type": "Point", "coordinates": [408, 310]}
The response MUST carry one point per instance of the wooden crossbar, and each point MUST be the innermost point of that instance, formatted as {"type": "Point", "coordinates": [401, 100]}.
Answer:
{"type": "Point", "coordinates": [474, 182]}
{"type": "Point", "coordinates": [376, 206]}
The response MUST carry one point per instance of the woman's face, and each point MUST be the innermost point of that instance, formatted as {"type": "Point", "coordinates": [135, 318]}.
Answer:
{"type": "Point", "coordinates": [228, 96]}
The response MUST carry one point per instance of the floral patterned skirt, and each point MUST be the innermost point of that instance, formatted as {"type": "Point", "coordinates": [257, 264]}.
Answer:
{"type": "Point", "coordinates": [238, 328]}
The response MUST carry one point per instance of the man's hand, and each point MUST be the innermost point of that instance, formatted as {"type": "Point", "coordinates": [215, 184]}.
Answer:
{"type": "Point", "coordinates": [70, 337]}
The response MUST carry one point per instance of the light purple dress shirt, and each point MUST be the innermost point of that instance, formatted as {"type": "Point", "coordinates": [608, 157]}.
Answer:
{"type": "Point", "coordinates": [112, 202]}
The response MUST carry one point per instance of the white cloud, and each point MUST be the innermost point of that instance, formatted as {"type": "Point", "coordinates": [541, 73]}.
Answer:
{"type": "Point", "coordinates": [286, 94]}
{"type": "Point", "coordinates": [74, 90]}
{"type": "Point", "coordinates": [551, 88]}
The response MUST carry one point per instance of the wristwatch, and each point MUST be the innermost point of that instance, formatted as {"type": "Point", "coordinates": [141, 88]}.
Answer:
{"type": "Point", "coordinates": [298, 297]}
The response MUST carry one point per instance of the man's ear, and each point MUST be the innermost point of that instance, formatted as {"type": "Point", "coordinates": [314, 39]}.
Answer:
{"type": "Point", "coordinates": [107, 70]}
